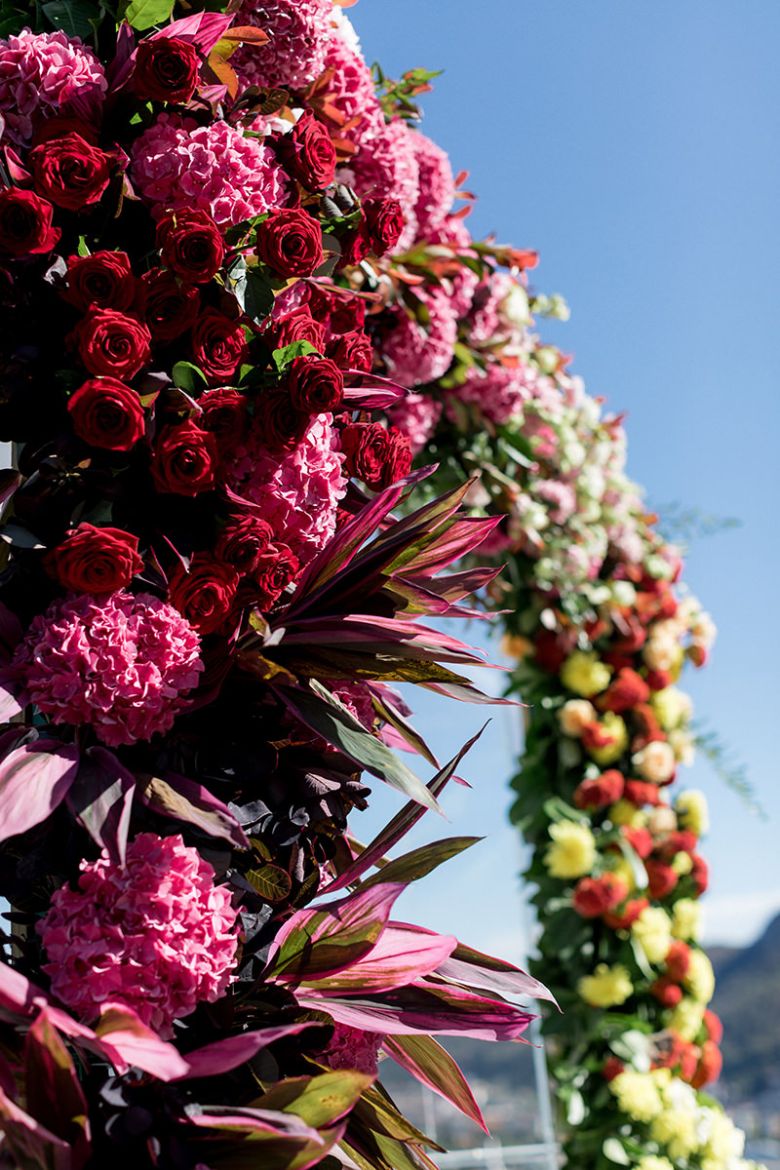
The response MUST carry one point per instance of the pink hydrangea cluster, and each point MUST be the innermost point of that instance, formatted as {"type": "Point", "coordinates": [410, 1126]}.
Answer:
{"type": "Point", "coordinates": [386, 167]}
{"type": "Point", "coordinates": [499, 392]}
{"type": "Point", "coordinates": [299, 491]}
{"type": "Point", "coordinates": [417, 354]}
{"type": "Point", "coordinates": [462, 285]}
{"type": "Point", "coordinates": [40, 74]}
{"type": "Point", "coordinates": [121, 664]}
{"type": "Point", "coordinates": [177, 163]}
{"type": "Point", "coordinates": [155, 935]}
{"type": "Point", "coordinates": [417, 416]}
{"type": "Point", "coordinates": [351, 90]}
{"type": "Point", "coordinates": [352, 1048]}
{"type": "Point", "coordinates": [560, 497]}
{"type": "Point", "coordinates": [299, 32]}
{"type": "Point", "coordinates": [436, 185]}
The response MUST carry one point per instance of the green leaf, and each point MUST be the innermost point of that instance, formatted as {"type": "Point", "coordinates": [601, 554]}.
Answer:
{"type": "Point", "coordinates": [259, 295]}
{"type": "Point", "coordinates": [83, 247]}
{"type": "Point", "coordinates": [188, 377]}
{"type": "Point", "coordinates": [272, 883]}
{"type": "Point", "coordinates": [614, 1151]}
{"type": "Point", "coordinates": [319, 1101]}
{"type": "Point", "coordinates": [288, 353]}
{"type": "Point", "coordinates": [143, 14]}
{"type": "Point", "coordinates": [427, 1061]}
{"type": "Point", "coordinates": [74, 17]}
{"type": "Point", "coordinates": [420, 862]}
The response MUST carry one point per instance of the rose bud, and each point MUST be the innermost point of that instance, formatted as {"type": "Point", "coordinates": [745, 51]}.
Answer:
{"type": "Point", "coordinates": [170, 308]}
{"type": "Point", "coordinates": [26, 224]}
{"type": "Point", "coordinates": [352, 351]}
{"type": "Point", "coordinates": [384, 223]}
{"type": "Point", "coordinates": [191, 244]}
{"type": "Point", "coordinates": [166, 70]}
{"type": "Point", "coordinates": [277, 569]}
{"type": "Point", "coordinates": [106, 413]}
{"type": "Point", "coordinates": [103, 280]}
{"type": "Point", "coordinates": [112, 344]}
{"type": "Point", "coordinates": [184, 460]}
{"type": "Point", "coordinates": [243, 541]}
{"type": "Point", "coordinates": [290, 243]}
{"type": "Point", "coordinates": [218, 346]}
{"type": "Point", "coordinates": [308, 153]}
{"type": "Point", "coordinates": [205, 593]}
{"type": "Point", "coordinates": [95, 560]}
{"type": "Point", "coordinates": [315, 384]}
{"type": "Point", "coordinates": [71, 172]}
{"type": "Point", "coordinates": [709, 1067]}
{"type": "Point", "coordinates": [224, 414]}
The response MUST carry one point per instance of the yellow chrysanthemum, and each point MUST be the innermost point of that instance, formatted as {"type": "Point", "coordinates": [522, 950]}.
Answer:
{"type": "Point", "coordinates": [584, 674]}
{"type": "Point", "coordinates": [686, 920]}
{"type": "Point", "coordinates": [623, 812]}
{"type": "Point", "coordinates": [682, 863]}
{"type": "Point", "coordinates": [623, 868]}
{"type": "Point", "coordinates": [651, 1162]}
{"type": "Point", "coordinates": [692, 811]}
{"type": "Point", "coordinates": [676, 1129]}
{"type": "Point", "coordinates": [572, 853]}
{"type": "Point", "coordinates": [700, 978]}
{"type": "Point", "coordinates": [637, 1095]}
{"type": "Point", "coordinates": [724, 1141]}
{"type": "Point", "coordinates": [686, 1019]}
{"type": "Point", "coordinates": [606, 987]}
{"type": "Point", "coordinates": [653, 932]}
{"type": "Point", "coordinates": [672, 706]}
{"type": "Point", "coordinates": [613, 726]}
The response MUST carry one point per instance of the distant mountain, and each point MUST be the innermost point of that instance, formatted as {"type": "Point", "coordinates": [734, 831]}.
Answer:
{"type": "Point", "coordinates": [747, 998]}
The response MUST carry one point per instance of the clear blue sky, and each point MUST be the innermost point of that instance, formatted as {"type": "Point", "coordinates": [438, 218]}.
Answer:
{"type": "Point", "coordinates": [636, 146]}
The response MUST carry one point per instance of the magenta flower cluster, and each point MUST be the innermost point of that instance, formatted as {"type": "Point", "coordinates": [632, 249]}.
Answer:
{"type": "Point", "coordinates": [156, 935]}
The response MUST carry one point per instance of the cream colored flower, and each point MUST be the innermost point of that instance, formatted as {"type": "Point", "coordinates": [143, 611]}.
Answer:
{"type": "Point", "coordinates": [655, 762]}
{"type": "Point", "coordinates": [575, 715]}
{"type": "Point", "coordinates": [692, 811]}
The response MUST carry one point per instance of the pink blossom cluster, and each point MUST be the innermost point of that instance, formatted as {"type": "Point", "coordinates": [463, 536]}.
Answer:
{"type": "Point", "coordinates": [417, 415]}
{"type": "Point", "coordinates": [121, 664]}
{"type": "Point", "coordinates": [40, 75]}
{"type": "Point", "coordinates": [299, 32]}
{"type": "Point", "coordinates": [418, 354]}
{"type": "Point", "coordinates": [436, 185]}
{"type": "Point", "coordinates": [352, 1048]}
{"type": "Point", "coordinates": [386, 167]}
{"type": "Point", "coordinates": [498, 392]}
{"type": "Point", "coordinates": [155, 935]}
{"type": "Point", "coordinates": [299, 491]}
{"type": "Point", "coordinates": [351, 90]}
{"type": "Point", "coordinates": [214, 168]}
{"type": "Point", "coordinates": [460, 285]}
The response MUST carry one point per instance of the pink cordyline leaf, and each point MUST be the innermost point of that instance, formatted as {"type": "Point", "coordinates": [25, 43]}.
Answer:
{"type": "Point", "coordinates": [426, 1060]}
{"type": "Point", "coordinates": [467, 966]}
{"type": "Point", "coordinates": [28, 1142]}
{"type": "Point", "coordinates": [101, 798]}
{"type": "Point", "coordinates": [128, 1042]}
{"type": "Point", "coordinates": [202, 30]}
{"type": "Point", "coordinates": [399, 958]}
{"type": "Point", "coordinates": [53, 1090]}
{"type": "Point", "coordinates": [187, 800]}
{"type": "Point", "coordinates": [34, 780]}
{"type": "Point", "coordinates": [225, 1055]}
{"type": "Point", "coordinates": [254, 1121]}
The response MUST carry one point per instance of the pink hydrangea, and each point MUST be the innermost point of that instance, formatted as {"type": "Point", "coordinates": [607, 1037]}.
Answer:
{"type": "Point", "coordinates": [560, 497]}
{"type": "Point", "coordinates": [177, 163]}
{"type": "Point", "coordinates": [461, 286]}
{"type": "Point", "coordinates": [498, 392]}
{"type": "Point", "coordinates": [40, 75]}
{"type": "Point", "coordinates": [298, 492]}
{"type": "Point", "coordinates": [386, 167]}
{"type": "Point", "coordinates": [351, 90]}
{"type": "Point", "coordinates": [417, 354]}
{"type": "Point", "coordinates": [299, 32]}
{"type": "Point", "coordinates": [352, 1048]}
{"type": "Point", "coordinates": [417, 415]}
{"type": "Point", "coordinates": [155, 935]}
{"type": "Point", "coordinates": [121, 664]}
{"type": "Point", "coordinates": [436, 184]}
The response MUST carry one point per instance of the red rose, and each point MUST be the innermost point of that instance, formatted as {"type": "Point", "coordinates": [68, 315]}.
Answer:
{"type": "Point", "coordinates": [628, 915]}
{"type": "Point", "coordinates": [384, 223]}
{"type": "Point", "coordinates": [551, 649]}
{"type": "Point", "coordinates": [218, 346]}
{"type": "Point", "coordinates": [640, 840]}
{"type": "Point", "coordinates": [595, 896]}
{"type": "Point", "coordinates": [639, 792]}
{"type": "Point", "coordinates": [170, 308]}
{"type": "Point", "coordinates": [308, 153]}
{"type": "Point", "coordinates": [601, 791]}
{"type": "Point", "coordinates": [661, 878]}
{"type": "Point", "coordinates": [399, 456]}
{"type": "Point", "coordinates": [26, 223]}
{"type": "Point", "coordinates": [184, 460]}
{"type": "Point", "coordinates": [243, 541]}
{"type": "Point", "coordinates": [678, 961]}
{"type": "Point", "coordinates": [612, 1068]}
{"type": "Point", "coordinates": [112, 344]}
{"type": "Point", "coordinates": [709, 1067]}
{"type": "Point", "coordinates": [277, 568]}
{"type": "Point", "coordinates": [104, 280]}
{"type": "Point", "coordinates": [315, 384]}
{"type": "Point", "coordinates": [355, 246]}
{"type": "Point", "coordinates": [680, 841]}
{"type": "Point", "coordinates": [290, 243]}
{"type": "Point", "coordinates": [666, 992]}
{"type": "Point", "coordinates": [95, 560]}
{"type": "Point", "coordinates": [166, 70]}
{"type": "Point", "coordinates": [297, 326]}
{"type": "Point", "coordinates": [714, 1026]}
{"type": "Point", "coordinates": [71, 172]}
{"type": "Point", "coordinates": [224, 414]}
{"type": "Point", "coordinates": [204, 594]}
{"type": "Point", "coordinates": [633, 635]}
{"type": "Point", "coordinates": [700, 874]}
{"type": "Point", "coordinates": [659, 680]}
{"type": "Point", "coordinates": [280, 426]}
{"type": "Point", "coordinates": [366, 447]}
{"type": "Point", "coordinates": [341, 309]}
{"type": "Point", "coordinates": [191, 244]}
{"type": "Point", "coordinates": [352, 351]}
{"type": "Point", "coordinates": [106, 413]}
{"type": "Point", "coordinates": [61, 124]}
{"type": "Point", "coordinates": [649, 727]}
{"type": "Point", "coordinates": [624, 692]}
